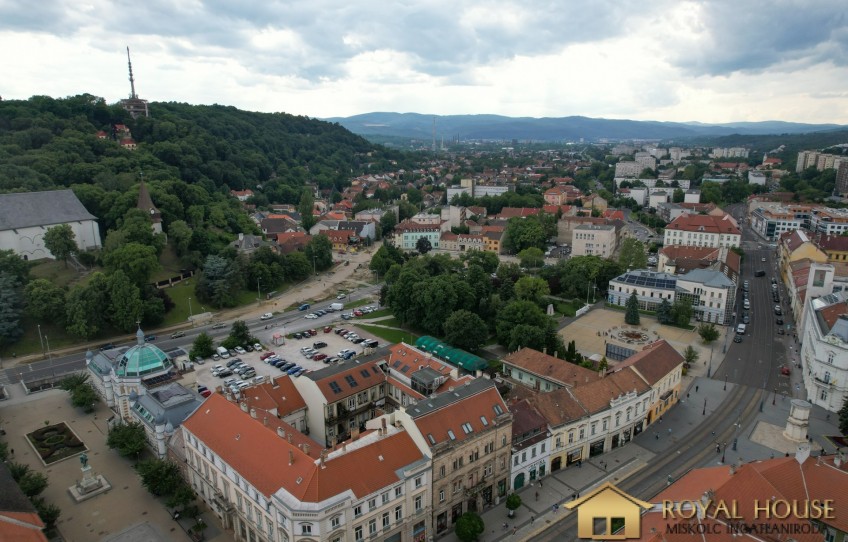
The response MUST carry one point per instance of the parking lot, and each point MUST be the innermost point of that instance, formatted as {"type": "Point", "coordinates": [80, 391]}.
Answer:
{"type": "Point", "coordinates": [322, 341]}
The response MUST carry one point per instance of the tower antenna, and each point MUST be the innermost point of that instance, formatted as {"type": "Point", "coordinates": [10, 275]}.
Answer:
{"type": "Point", "coordinates": [132, 81]}
{"type": "Point", "coordinates": [434, 134]}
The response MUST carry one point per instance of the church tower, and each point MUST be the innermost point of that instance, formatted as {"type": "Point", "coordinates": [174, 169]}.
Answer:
{"type": "Point", "coordinates": [146, 205]}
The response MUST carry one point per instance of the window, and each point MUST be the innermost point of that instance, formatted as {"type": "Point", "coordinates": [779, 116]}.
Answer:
{"type": "Point", "coordinates": [617, 419]}
{"type": "Point", "coordinates": [372, 503]}
{"type": "Point", "coordinates": [418, 503]}
{"type": "Point", "coordinates": [570, 437]}
{"type": "Point", "coordinates": [305, 528]}
{"type": "Point", "coordinates": [399, 512]}
{"type": "Point", "coordinates": [419, 480]}
{"type": "Point", "coordinates": [385, 497]}
{"type": "Point", "coordinates": [441, 495]}
{"type": "Point", "coordinates": [823, 395]}
{"type": "Point", "coordinates": [399, 490]}
{"type": "Point", "coordinates": [372, 527]}
{"type": "Point", "coordinates": [386, 520]}
{"type": "Point", "coordinates": [582, 433]}
{"type": "Point", "coordinates": [335, 522]}
{"type": "Point", "coordinates": [442, 471]}
{"type": "Point", "coordinates": [357, 533]}
{"type": "Point", "coordinates": [357, 510]}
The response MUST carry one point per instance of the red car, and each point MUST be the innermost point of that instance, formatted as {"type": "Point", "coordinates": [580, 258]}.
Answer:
{"type": "Point", "coordinates": [266, 355]}
{"type": "Point", "coordinates": [785, 371]}
{"type": "Point", "coordinates": [328, 329]}
{"type": "Point", "coordinates": [312, 332]}
{"type": "Point", "coordinates": [358, 313]}
{"type": "Point", "coordinates": [204, 391]}
{"type": "Point", "coordinates": [319, 357]}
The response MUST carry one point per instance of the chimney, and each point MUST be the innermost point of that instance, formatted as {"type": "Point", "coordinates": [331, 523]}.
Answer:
{"type": "Point", "coordinates": [344, 446]}
{"type": "Point", "coordinates": [306, 448]}
{"type": "Point", "coordinates": [354, 433]}
{"type": "Point", "coordinates": [291, 457]}
{"type": "Point", "coordinates": [252, 412]}
{"type": "Point", "coordinates": [281, 432]}
{"type": "Point", "coordinates": [288, 438]}
{"type": "Point", "coordinates": [385, 430]}
{"type": "Point", "coordinates": [323, 455]}
{"type": "Point", "coordinates": [243, 406]}
{"type": "Point", "coordinates": [265, 420]}
{"type": "Point", "coordinates": [332, 443]}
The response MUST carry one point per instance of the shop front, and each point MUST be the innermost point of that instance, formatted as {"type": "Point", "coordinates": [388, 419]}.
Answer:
{"type": "Point", "coordinates": [574, 456]}
{"type": "Point", "coordinates": [596, 448]}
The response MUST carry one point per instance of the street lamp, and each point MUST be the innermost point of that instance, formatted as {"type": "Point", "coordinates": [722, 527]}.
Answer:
{"type": "Point", "coordinates": [190, 313]}
{"type": "Point", "coordinates": [725, 381]}
{"type": "Point", "coordinates": [723, 450]}
{"type": "Point", "coordinates": [704, 413]}
{"type": "Point", "coordinates": [40, 340]}
{"type": "Point", "coordinates": [774, 396]}
{"type": "Point", "coordinates": [258, 292]}
{"type": "Point", "coordinates": [710, 368]}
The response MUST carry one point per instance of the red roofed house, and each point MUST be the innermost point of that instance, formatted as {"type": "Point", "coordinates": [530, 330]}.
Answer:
{"type": "Point", "coordinates": [518, 212]}
{"type": "Point", "coordinates": [340, 239]}
{"type": "Point", "coordinates": [19, 521]}
{"type": "Point", "coordinates": [267, 481]}
{"type": "Point", "coordinates": [680, 259]}
{"type": "Point", "coordinates": [703, 231]}
{"type": "Point", "coordinates": [242, 195]}
{"type": "Point", "coordinates": [289, 242]}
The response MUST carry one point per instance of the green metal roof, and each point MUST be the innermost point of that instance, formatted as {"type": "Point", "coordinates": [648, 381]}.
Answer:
{"type": "Point", "coordinates": [455, 356]}
{"type": "Point", "coordinates": [142, 359]}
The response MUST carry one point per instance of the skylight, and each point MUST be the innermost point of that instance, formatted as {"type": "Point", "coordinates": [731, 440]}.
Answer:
{"type": "Point", "coordinates": [467, 428]}
{"type": "Point", "coordinates": [335, 387]}
{"type": "Point", "coordinates": [498, 410]}
{"type": "Point", "coordinates": [351, 381]}
{"type": "Point", "coordinates": [431, 438]}
{"type": "Point", "coordinates": [484, 421]}
{"type": "Point", "coordinates": [451, 435]}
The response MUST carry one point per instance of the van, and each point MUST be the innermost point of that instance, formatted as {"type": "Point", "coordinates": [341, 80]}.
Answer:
{"type": "Point", "coordinates": [223, 352]}
{"type": "Point", "coordinates": [740, 329]}
{"type": "Point", "coordinates": [303, 307]}
{"type": "Point", "coordinates": [336, 306]}
{"type": "Point", "coordinates": [370, 343]}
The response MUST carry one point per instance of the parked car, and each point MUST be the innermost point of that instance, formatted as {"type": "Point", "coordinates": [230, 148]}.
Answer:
{"type": "Point", "coordinates": [328, 329]}
{"type": "Point", "coordinates": [319, 344]}
{"type": "Point", "coordinates": [779, 321]}
{"type": "Point", "coordinates": [298, 336]}
{"type": "Point", "coordinates": [319, 357]}
{"type": "Point", "coordinates": [219, 325]}
{"type": "Point", "coordinates": [357, 340]}
{"type": "Point", "coordinates": [286, 366]}
{"type": "Point", "coordinates": [312, 332]}
{"type": "Point", "coordinates": [331, 359]}
{"type": "Point", "coordinates": [149, 338]}
{"type": "Point", "coordinates": [311, 316]}
{"type": "Point", "coordinates": [240, 350]}
{"type": "Point", "coordinates": [177, 334]}
{"type": "Point", "coordinates": [204, 391]}
{"type": "Point", "coordinates": [234, 361]}
{"type": "Point", "coordinates": [737, 338]}
{"type": "Point", "coordinates": [340, 331]}
{"type": "Point", "coordinates": [294, 369]}
{"type": "Point", "coordinates": [215, 357]}
{"type": "Point", "coordinates": [358, 313]}
{"type": "Point", "coordinates": [225, 372]}
{"type": "Point", "coordinates": [198, 360]}
{"type": "Point", "coordinates": [320, 312]}
{"type": "Point", "coordinates": [217, 368]}
{"type": "Point", "coordinates": [266, 355]}
{"type": "Point", "coordinates": [257, 347]}
{"type": "Point", "coordinates": [107, 346]}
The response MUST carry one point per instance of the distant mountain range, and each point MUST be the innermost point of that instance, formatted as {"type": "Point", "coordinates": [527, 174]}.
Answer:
{"type": "Point", "coordinates": [496, 127]}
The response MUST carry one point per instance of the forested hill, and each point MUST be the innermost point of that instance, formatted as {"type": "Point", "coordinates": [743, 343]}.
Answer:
{"type": "Point", "coordinates": [47, 142]}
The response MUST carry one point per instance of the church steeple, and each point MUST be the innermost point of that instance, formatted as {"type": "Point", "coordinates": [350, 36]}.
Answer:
{"type": "Point", "coordinates": [145, 203]}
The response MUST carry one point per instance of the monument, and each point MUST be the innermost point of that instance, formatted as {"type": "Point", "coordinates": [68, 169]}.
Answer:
{"type": "Point", "coordinates": [90, 485]}
{"type": "Point", "coordinates": [798, 421]}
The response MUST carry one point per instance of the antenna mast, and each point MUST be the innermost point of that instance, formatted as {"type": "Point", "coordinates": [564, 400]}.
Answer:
{"type": "Point", "coordinates": [132, 81]}
{"type": "Point", "coordinates": [434, 134]}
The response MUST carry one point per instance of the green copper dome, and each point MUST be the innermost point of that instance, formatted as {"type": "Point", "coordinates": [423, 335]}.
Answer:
{"type": "Point", "coordinates": [142, 359]}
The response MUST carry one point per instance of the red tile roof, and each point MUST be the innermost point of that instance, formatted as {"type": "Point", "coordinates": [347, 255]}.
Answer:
{"type": "Point", "coordinates": [357, 377]}
{"type": "Point", "coordinates": [654, 362]}
{"type": "Point", "coordinates": [518, 212]}
{"type": "Point", "coordinates": [363, 466]}
{"type": "Point", "coordinates": [451, 417]}
{"type": "Point", "coordinates": [550, 368]}
{"type": "Point", "coordinates": [704, 223]}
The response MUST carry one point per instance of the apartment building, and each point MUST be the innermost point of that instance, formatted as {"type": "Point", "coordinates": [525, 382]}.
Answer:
{"type": "Point", "coordinates": [268, 482]}
{"type": "Point", "coordinates": [703, 231]}
{"type": "Point", "coordinates": [730, 152]}
{"type": "Point", "coordinates": [594, 240]}
{"type": "Point", "coordinates": [407, 234]}
{"type": "Point", "coordinates": [772, 221]}
{"type": "Point", "coordinates": [628, 169]}
{"type": "Point", "coordinates": [824, 351]}
{"type": "Point", "coordinates": [530, 444]}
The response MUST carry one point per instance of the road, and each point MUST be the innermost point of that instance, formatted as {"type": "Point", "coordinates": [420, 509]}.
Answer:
{"type": "Point", "coordinates": [289, 322]}
{"type": "Point", "coordinates": [757, 360]}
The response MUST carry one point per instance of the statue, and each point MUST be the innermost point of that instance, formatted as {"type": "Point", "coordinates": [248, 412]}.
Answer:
{"type": "Point", "coordinates": [84, 460]}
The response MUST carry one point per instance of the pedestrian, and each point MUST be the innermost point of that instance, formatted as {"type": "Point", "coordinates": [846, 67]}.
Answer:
{"type": "Point", "coordinates": [573, 496]}
{"type": "Point", "coordinates": [579, 463]}
{"type": "Point", "coordinates": [578, 494]}
{"type": "Point", "coordinates": [540, 483]}
{"type": "Point", "coordinates": [505, 526]}
{"type": "Point", "coordinates": [696, 389]}
{"type": "Point", "coordinates": [669, 430]}
{"type": "Point", "coordinates": [532, 519]}
{"type": "Point", "coordinates": [656, 435]}
{"type": "Point", "coordinates": [687, 395]}
{"type": "Point", "coordinates": [537, 495]}
{"type": "Point", "coordinates": [513, 530]}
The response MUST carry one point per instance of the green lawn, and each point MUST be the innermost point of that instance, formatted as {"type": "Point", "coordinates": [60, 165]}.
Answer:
{"type": "Point", "coordinates": [170, 265]}
{"type": "Point", "coordinates": [391, 335]}
{"type": "Point", "coordinates": [377, 314]}
{"type": "Point", "coordinates": [58, 274]}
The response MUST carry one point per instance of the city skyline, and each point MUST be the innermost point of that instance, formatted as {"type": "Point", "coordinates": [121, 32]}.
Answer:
{"type": "Point", "coordinates": [709, 62]}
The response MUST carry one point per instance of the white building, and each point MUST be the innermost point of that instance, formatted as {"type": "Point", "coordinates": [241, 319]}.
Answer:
{"type": "Point", "coordinates": [703, 231]}
{"type": "Point", "coordinates": [594, 240]}
{"type": "Point", "coordinates": [756, 177]}
{"type": "Point", "coordinates": [628, 169]}
{"type": "Point", "coordinates": [25, 217]}
{"type": "Point", "coordinates": [692, 196]}
{"type": "Point", "coordinates": [824, 351]}
{"type": "Point", "coordinates": [531, 447]}
{"type": "Point", "coordinates": [651, 288]}
{"type": "Point", "coordinates": [732, 152]}
{"type": "Point", "coordinates": [658, 197]}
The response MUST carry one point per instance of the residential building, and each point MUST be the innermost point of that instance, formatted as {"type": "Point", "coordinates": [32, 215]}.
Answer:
{"type": "Point", "coordinates": [679, 260]}
{"type": "Point", "coordinates": [703, 231]}
{"type": "Point", "coordinates": [790, 479]}
{"type": "Point", "coordinates": [467, 432]}
{"type": "Point", "coordinates": [824, 351]}
{"type": "Point", "coordinates": [530, 445]}
{"type": "Point", "coordinates": [247, 244]}
{"type": "Point", "coordinates": [594, 202]}
{"type": "Point", "coordinates": [656, 198]}
{"type": "Point", "coordinates": [711, 293]}
{"type": "Point", "coordinates": [594, 240]}
{"type": "Point", "coordinates": [543, 373]}
{"type": "Point", "coordinates": [756, 177]}
{"type": "Point", "coordinates": [462, 242]}
{"type": "Point", "coordinates": [342, 240]}
{"type": "Point", "coordinates": [242, 195]}
{"type": "Point", "coordinates": [377, 484]}
{"type": "Point", "coordinates": [841, 188]}
{"type": "Point", "coordinates": [407, 234]}
{"type": "Point", "coordinates": [652, 183]}
{"type": "Point", "coordinates": [645, 161]}
{"type": "Point", "coordinates": [772, 221]}
{"type": "Point", "coordinates": [26, 216]}
{"type": "Point", "coordinates": [19, 520]}
{"type": "Point", "coordinates": [732, 152]}
{"type": "Point", "coordinates": [628, 169]}
{"type": "Point", "coordinates": [795, 246]}
{"type": "Point", "coordinates": [661, 367]}
{"type": "Point", "coordinates": [828, 221]}
{"type": "Point", "coordinates": [807, 278]}
{"type": "Point", "coordinates": [692, 196]}
{"type": "Point", "coordinates": [651, 288]}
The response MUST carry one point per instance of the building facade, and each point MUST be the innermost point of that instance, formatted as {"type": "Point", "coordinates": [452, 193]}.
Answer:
{"type": "Point", "coordinates": [824, 351]}
{"type": "Point", "coordinates": [703, 231]}
{"type": "Point", "coordinates": [594, 240]}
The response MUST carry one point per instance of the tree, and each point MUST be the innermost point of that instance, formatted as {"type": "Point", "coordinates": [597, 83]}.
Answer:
{"type": "Point", "coordinates": [14, 265]}
{"type": "Point", "coordinates": [49, 513]}
{"type": "Point", "coordinates": [33, 483]}
{"type": "Point", "coordinates": [45, 300]}
{"type": "Point", "coordinates": [202, 347]}
{"type": "Point", "coordinates": [125, 305]}
{"type": "Point", "coordinates": [305, 208]}
{"type": "Point", "coordinates": [631, 312]}
{"type": "Point", "coordinates": [523, 233]}
{"type": "Point", "coordinates": [139, 262]}
{"type": "Point", "coordinates": [160, 477]}
{"type": "Point", "coordinates": [179, 233]}
{"type": "Point", "coordinates": [319, 252]}
{"type": "Point", "coordinates": [11, 307]}
{"type": "Point", "coordinates": [513, 503]}
{"type": "Point", "coordinates": [385, 257]}
{"type": "Point", "coordinates": [843, 417]}
{"type": "Point", "coordinates": [84, 307]}
{"type": "Point", "coordinates": [219, 282]}
{"type": "Point", "coordinates": [678, 196]}
{"type": "Point", "coordinates": [488, 261]}
{"type": "Point", "coordinates": [664, 312]}
{"type": "Point", "coordinates": [388, 222]}
{"type": "Point", "coordinates": [532, 289]}
{"type": "Point", "coordinates": [128, 439]}
{"type": "Point", "coordinates": [681, 311]}
{"type": "Point", "coordinates": [690, 355]}
{"type": "Point", "coordinates": [423, 245]}
{"type": "Point", "coordinates": [708, 332]}
{"type": "Point", "coordinates": [240, 334]}
{"type": "Point", "coordinates": [469, 527]}
{"type": "Point", "coordinates": [85, 397]}
{"type": "Point", "coordinates": [532, 257]}
{"type": "Point", "coordinates": [632, 254]}
{"type": "Point", "coordinates": [60, 241]}
{"type": "Point", "coordinates": [465, 330]}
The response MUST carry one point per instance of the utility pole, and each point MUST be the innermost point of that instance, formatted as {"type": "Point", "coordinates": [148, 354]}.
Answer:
{"type": "Point", "coordinates": [41, 340]}
{"type": "Point", "coordinates": [258, 292]}
{"type": "Point", "coordinates": [190, 313]}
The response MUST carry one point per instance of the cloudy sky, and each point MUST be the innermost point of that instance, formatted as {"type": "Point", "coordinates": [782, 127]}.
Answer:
{"type": "Point", "coordinates": [708, 61]}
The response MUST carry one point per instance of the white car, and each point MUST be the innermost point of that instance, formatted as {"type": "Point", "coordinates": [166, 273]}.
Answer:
{"type": "Point", "coordinates": [257, 347]}
{"type": "Point", "coordinates": [311, 316]}
{"type": "Point", "coordinates": [266, 316]}
{"type": "Point", "coordinates": [240, 350]}
{"type": "Point", "coordinates": [341, 296]}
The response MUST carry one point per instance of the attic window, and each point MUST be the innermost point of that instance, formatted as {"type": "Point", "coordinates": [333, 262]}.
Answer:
{"type": "Point", "coordinates": [430, 438]}
{"type": "Point", "coordinates": [299, 480]}
{"type": "Point", "coordinates": [498, 410]}
{"type": "Point", "coordinates": [467, 428]}
{"type": "Point", "coordinates": [484, 421]}
{"type": "Point", "coordinates": [451, 435]}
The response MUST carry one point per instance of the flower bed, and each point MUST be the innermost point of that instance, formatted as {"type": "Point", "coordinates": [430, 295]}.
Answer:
{"type": "Point", "coordinates": [55, 442]}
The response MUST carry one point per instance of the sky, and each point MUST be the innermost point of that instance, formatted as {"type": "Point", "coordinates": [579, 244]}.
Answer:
{"type": "Point", "coordinates": [668, 60]}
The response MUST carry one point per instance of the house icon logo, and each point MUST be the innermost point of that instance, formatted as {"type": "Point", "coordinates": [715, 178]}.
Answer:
{"type": "Point", "coordinates": [607, 510]}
